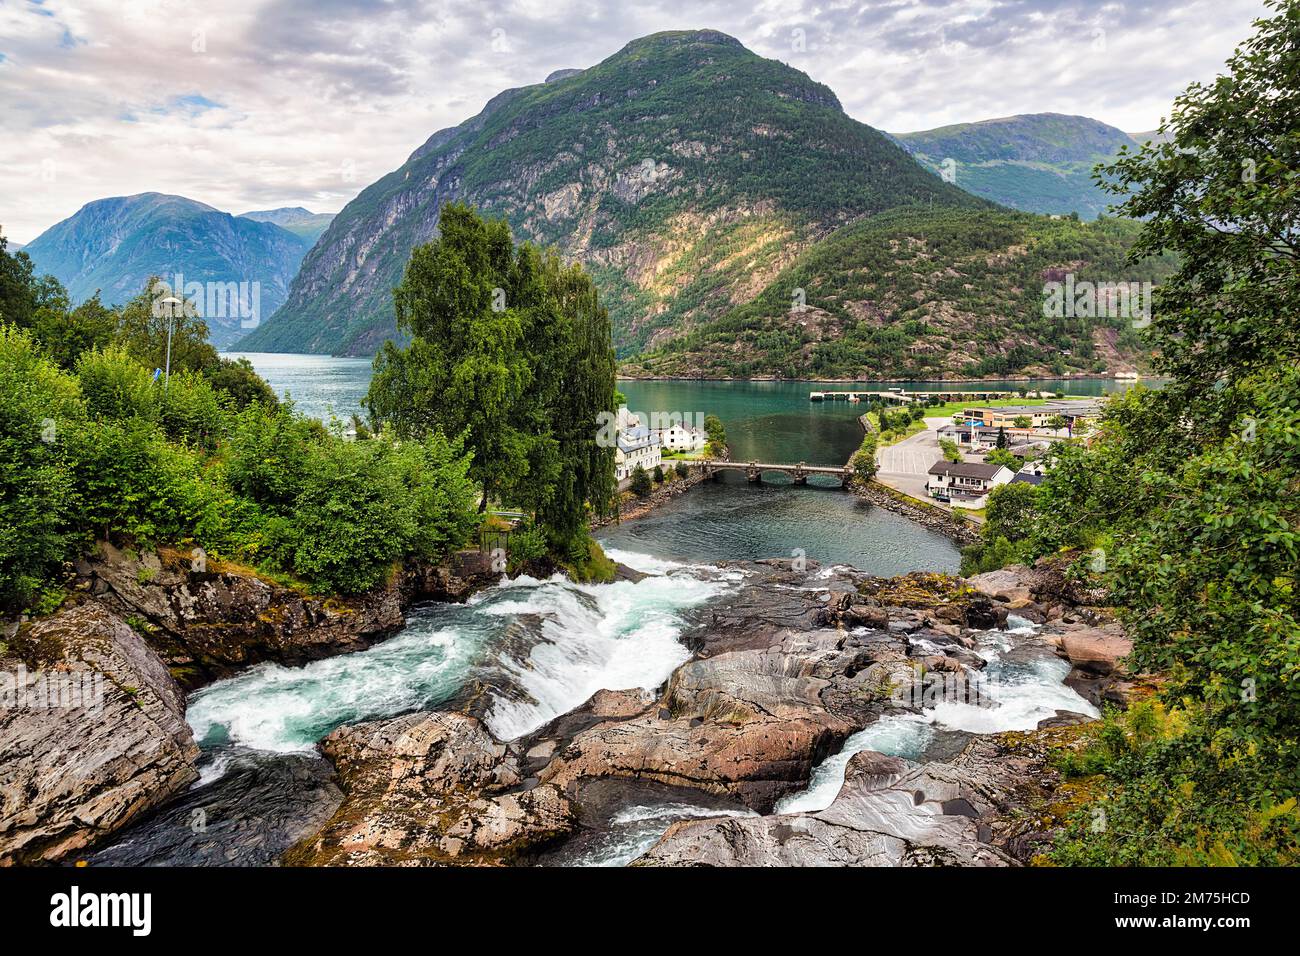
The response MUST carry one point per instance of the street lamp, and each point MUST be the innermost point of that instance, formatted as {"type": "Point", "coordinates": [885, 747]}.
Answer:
{"type": "Point", "coordinates": [171, 302]}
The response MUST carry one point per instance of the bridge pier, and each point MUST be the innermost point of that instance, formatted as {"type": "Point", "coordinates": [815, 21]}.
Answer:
{"type": "Point", "coordinates": [800, 476]}
{"type": "Point", "coordinates": [753, 474]}
{"type": "Point", "coordinates": [846, 479]}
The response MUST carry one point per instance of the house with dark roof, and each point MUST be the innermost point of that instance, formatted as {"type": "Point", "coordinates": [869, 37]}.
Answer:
{"type": "Point", "coordinates": [965, 482]}
{"type": "Point", "coordinates": [1027, 478]}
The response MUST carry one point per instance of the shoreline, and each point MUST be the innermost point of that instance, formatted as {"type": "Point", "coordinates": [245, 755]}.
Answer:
{"type": "Point", "coordinates": [869, 381]}
{"type": "Point", "coordinates": [953, 380]}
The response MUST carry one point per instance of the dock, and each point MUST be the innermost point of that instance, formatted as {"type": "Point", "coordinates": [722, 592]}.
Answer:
{"type": "Point", "coordinates": [904, 398]}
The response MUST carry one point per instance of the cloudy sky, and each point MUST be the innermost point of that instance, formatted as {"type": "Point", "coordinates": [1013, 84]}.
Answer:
{"type": "Point", "coordinates": [251, 104]}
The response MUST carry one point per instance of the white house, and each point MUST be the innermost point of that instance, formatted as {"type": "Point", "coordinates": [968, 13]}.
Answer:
{"type": "Point", "coordinates": [636, 446]}
{"type": "Point", "coordinates": [678, 437]}
{"type": "Point", "coordinates": [965, 482]}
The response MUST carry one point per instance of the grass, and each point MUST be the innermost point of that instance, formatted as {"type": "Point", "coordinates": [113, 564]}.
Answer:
{"type": "Point", "coordinates": [949, 409]}
{"type": "Point", "coordinates": [912, 429]}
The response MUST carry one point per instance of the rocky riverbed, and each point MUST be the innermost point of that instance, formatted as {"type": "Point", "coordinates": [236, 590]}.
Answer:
{"type": "Point", "coordinates": [783, 673]}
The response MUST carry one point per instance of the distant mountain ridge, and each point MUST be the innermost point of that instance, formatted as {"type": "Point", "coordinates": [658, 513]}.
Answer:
{"type": "Point", "coordinates": [115, 245]}
{"type": "Point", "coordinates": [1035, 162]}
{"type": "Point", "coordinates": [684, 171]}
{"type": "Point", "coordinates": [303, 223]}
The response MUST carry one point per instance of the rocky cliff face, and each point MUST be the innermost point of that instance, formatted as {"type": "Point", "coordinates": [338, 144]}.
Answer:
{"type": "Point", "coordinates": [684, 171]}
{"type": "Point", "coordinates": [92, 734]}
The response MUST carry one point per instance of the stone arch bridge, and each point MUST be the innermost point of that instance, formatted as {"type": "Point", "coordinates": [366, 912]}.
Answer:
{"type": "Point", "coordinates": [799, 472]}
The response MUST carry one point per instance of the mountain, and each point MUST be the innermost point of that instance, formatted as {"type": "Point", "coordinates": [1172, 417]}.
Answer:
{"type": "Point", "coordinates": [923, 295]}
{"type": "Point", "coordinates": [1038, 162]}
{"type": "Point", "coordinates": [303, 223]}
{"type": "Point", "coordinates": [685, 171]}
{"type": "Point", "coordinates": [115, 245]}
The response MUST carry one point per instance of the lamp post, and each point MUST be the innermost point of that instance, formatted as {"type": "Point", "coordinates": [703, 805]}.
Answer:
{"type": "Point", "coordinates": [171, 302]}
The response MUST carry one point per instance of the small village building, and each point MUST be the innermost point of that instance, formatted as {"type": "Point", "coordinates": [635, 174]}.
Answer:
{"type": "Point", "coordinates": [636, 446]}
{"type": "Point", "coordinates": [964, 482]}
{"type": "Point", "coordinates": [679, 438]}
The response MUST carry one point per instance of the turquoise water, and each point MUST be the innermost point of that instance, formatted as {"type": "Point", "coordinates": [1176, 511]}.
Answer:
{"type": "Point", "coordinates": [730, 519]}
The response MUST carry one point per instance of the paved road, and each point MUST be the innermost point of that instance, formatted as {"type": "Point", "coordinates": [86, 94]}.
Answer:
{"type": "Point", "coordinates": [906, 465]}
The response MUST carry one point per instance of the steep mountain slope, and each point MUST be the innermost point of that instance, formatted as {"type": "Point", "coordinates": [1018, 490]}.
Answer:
{"type": "Point", "coordinates": [303, 223]}
{"type": "Point", "coordinates": [924, 294]}
{"type": "Point", "coordinates": [1038, 162]}
{"type": "Point", "coordinates": [115, 245]}
{"type": "Point", "coordinates": [685, 171]}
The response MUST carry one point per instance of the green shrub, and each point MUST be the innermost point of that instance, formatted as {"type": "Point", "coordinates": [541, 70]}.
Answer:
{"type": "Point", "coordinates": [116, 387]}
{"type": "Point", "coordinates": [38, 405]}
{"type": "Point", "coordinates": [640, 482]}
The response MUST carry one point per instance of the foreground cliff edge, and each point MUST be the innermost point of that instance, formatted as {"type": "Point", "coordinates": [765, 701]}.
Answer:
{"type": "Point", "coordinates": [783, 670]}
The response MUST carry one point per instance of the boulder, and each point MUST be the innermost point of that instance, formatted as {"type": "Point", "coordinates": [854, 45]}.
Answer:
{"type": "Point", "coordinates": [430, 789]}
{"type": "Point", "coordinates": [111, 744]}
{"type": "Point", "coordinates": [749, 723]}
{"type": "Point", "coordinates": [1005, 584]}
{"type": "Point", "coordinates": [1095, 650]}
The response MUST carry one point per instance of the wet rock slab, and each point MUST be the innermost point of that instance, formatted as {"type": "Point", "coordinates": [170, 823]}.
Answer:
{"type": "Point", "coordinates": [261, 805]}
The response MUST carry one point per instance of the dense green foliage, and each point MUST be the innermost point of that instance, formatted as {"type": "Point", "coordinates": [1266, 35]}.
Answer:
{"type": "Point", "coordinates": [640, 485]}
{"type": "Point", "coordinates": [510, 349]}
{"type": "Point", "coordinates": [93, 445]}
{"type": "Point", "coordinates": [1187, 499]}
{"type": "Point", "coordinates": [914, 294]}
{"type": "Point", "coordinates": [717, 435]}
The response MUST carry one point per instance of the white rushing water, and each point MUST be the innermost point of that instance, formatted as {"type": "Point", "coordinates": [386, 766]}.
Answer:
{"type": "Point", "coordinates": [1014, 695]}
{"type": "Point", "coordinates": [551, 644]}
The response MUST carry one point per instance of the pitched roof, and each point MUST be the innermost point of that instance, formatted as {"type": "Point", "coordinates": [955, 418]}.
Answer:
{"type": "Point", "coordinates": [965, 469]}
{"type": "Point", "coordinates": [1024, 478]}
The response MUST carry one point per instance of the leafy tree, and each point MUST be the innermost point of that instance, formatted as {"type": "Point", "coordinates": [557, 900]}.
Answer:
{"type": "Point", "coordinates": [1001, 456]}
{"type": "Point", "coordinates": [659, 474]}
{"type": "Point", "coordinates": [18, 300]}
{"type": "Point", "coordinates": [509, 348]}
{"type": "Point", "coordinates": [950, 449]}
{"type": "Point", "coordinates": [681, 469]}
{"type": "Point", "coordinates": [465, 371]}
{"type": "Point", "coordinates": [640, 482]}
{"type": "Point", "coordinates": [66, 334]}
{"type": "Point", "coordinates": [717, 435]}
{"type": "Point", "coordinates": [1190, 489]}
{"type": "Point", "coordinates": [143, 326]}
{"type": "Point", "coordinates": [238, 380]}
{"type": "Point", "coordinates": [864, 465]}
{"type": "Point", "coordinates": [1022, 421]}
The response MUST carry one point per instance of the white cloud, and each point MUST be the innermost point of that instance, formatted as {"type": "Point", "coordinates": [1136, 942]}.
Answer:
{"type": "Point", "coordinates": [315, 99]}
